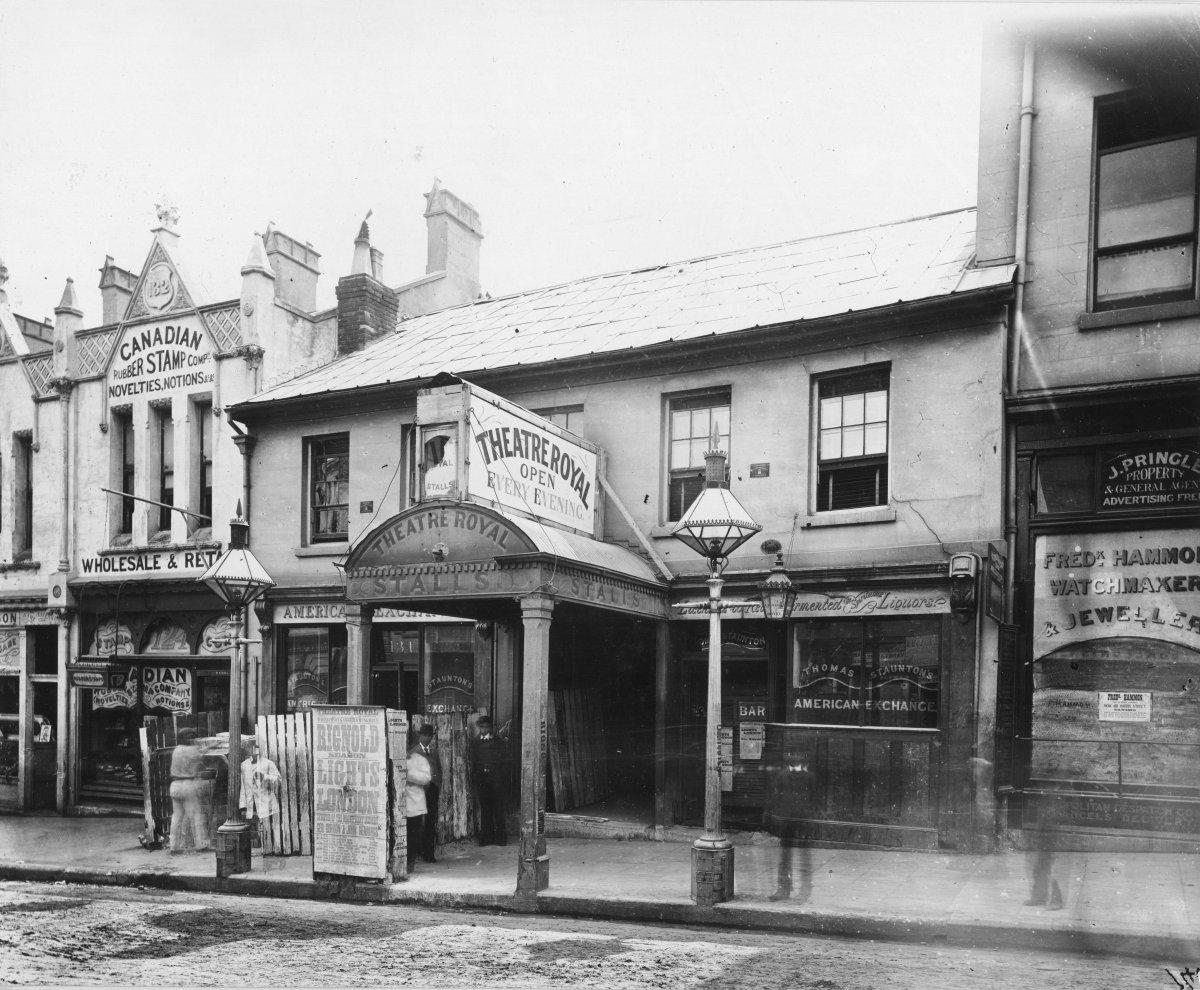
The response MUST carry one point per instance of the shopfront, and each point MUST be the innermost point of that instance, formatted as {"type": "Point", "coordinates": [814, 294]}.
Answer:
{"type": "Point", "coordinates": [151, 651]}
{"type": "Point", "coordinates": [30, 709]}
{"type": "Point", "coordinates": [854, 689]}
{"type": "Point", "coordinates": [419, 662]}
{"type": "Point", "coordinates": [1107, 720]}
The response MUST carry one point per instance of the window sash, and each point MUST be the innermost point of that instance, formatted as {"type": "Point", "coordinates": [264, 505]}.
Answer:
{"type": "Point", "coordinates": [329, 488]}
{"type": "Point", "coordinates": [126, 435]}
{"type": "Point", "coordinates": [166, 467]}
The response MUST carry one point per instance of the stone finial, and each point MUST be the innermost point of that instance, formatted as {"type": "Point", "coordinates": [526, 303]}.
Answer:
{"type": "Point", "coordinates": [68, 302]}
{"type": "Point", "coordinates": [257, 260]}
{"type": "Point", "coordinates": [168, 216]}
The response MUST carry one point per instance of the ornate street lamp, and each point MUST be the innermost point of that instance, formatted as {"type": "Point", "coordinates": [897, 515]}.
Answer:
{"type": "Point", "coordinates": [715, 525]}
{"type": "Point", "coordinates": [776, 593]}
{"type": "Point", "coordinates": [238, 578]}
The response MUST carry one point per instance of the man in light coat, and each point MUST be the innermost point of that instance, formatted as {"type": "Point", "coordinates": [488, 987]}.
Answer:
{"type": "Point", "coordinates": [260, 787]}
{"type": "Point", "coordinates": [419, 776]}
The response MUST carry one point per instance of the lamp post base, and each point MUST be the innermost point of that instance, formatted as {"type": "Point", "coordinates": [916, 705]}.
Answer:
{"type": "Point", "coordinates": [712, 871]}
{"type": "Point", "coordinates": [233, 849]}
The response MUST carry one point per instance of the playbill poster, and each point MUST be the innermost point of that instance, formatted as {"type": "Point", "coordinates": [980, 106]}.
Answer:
{"type": "Point", "coordinates": [349, 791]}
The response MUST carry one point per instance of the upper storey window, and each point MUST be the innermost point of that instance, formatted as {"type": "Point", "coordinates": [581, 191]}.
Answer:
{"type": "Point", "coordinates": [1145, 222]}
{"type": "Point", "coordinates": [328, 488]}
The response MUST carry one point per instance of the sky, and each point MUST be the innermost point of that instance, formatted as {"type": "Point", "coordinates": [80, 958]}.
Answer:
{"type": "Point", "coordinates": [590, 137]}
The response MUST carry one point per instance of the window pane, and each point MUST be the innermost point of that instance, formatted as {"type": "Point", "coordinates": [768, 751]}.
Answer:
{"type": "Point", "coordinates": [852, 409]}
{"type": "Point", "coordinates": [852, 441]}
{"type": "Point", "coordinates": [701, 423]}
{"type": "Point", "coordinates": [831, 412]}
{"type": "Point", "coordinates": [827, 674]}
{"type": "Point", "coordinates": [699, 446]}
{"type": "Point", "coordinates": [831, 444]}
{"type": "Point", "coordinates": [1147, 192]}
{"type": "Point", "coordinates": [856, 487]}
{"type": "Point", "coordinates": [876, 407]}
{"type": "Point", "coordinates": [903, 676]}
{"type": "Point", "coordinates": [720, 416]}
{"type": "Point", "coordinates": [679, 453]}
{"type": "Point", "coordinates": [1064, 483]}
{"type": "Point", "coordinates": [681, 422]}
{"type": "Point", "coordinates": [1139, 273]}
{"type": "Point", "coordinates": [875, 439]}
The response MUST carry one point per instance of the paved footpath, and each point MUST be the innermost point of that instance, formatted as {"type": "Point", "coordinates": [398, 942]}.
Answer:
{"type": "Point", "coordinates": [1138, 904]}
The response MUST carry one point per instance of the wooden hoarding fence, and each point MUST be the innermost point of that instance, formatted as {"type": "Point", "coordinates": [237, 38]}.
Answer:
{"type": "Point", "coordinates": [286, 740]}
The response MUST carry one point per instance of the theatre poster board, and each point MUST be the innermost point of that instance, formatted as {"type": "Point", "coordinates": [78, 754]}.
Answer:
{"type": "Point", "coordinates": [350, 792]}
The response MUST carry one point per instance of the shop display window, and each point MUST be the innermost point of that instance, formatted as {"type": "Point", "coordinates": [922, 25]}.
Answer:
{"type": "Point", "coordinates": [314, 666]}
{"type": "Point", "coordinates": [449, 668]}
{"type": "Point", "coordinates": [395, 662]}
{"type": "Point", "coordinates": [881, 673]}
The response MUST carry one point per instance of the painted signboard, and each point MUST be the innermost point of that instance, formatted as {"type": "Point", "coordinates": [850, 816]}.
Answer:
{"type": "Point", "coordinates": [167, 688]}
{"type": "Point", "coordinates": [995, 587]}
{"type": "Point", "coordinates": [336, 612]}
{"type": "Point", "coordinates": [1124, 706]}
{"type": "Point", "coordinates": [1103, 585]}
{"type": "Point", "coordinates": [1156, 476]}
{"type": "Point", "coordinates": [830, 605]}
{"type": "Point", "coordinates": [120, 690]}
{"type": "Point", "coordinates": [155, 360]}
{"type": "Point", "coordinates": [149, 563]}
{"type": "Point", "coordinates": [526, 464]}
{"type": "Point", "coordinates": [10, 652]}
{"type": "Point", "coordinates": [350, 795]}
{"type": "Point", "coordinates": [27, 617]}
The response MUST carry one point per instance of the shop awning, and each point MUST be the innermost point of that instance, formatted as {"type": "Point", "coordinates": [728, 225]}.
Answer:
{"type": "Point", "coordinates": [449, 551]}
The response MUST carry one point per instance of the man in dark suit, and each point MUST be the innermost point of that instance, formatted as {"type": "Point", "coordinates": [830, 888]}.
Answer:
{"type": "Point", "coordinates": [432, 791]}
{"type": "Point", "coordinates": [489, 763]}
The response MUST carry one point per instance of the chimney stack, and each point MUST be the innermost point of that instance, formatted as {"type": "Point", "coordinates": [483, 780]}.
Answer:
{"type": "Point", "coordinates": [454, 236]}
{"type": "Point", "coordinates": [116, 287]}
{"type": "Point", "coordinates": [68, 321]}
{"type": "Point", "coordinates": [366, 308]}
{"type": "Point", "coordinates": [296, 267]}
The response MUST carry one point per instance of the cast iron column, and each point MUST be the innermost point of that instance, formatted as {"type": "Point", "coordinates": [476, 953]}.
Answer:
{"type": "Point", "coordinates": [533, 865]}
{"type": "Point", "coordinates": [233, 838]}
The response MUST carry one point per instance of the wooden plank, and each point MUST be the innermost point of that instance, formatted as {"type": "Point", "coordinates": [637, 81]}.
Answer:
{"type": "Point", "coordinates": [147, 784]}
{"type": "Point", "coordinates": [289, 730]}
{"type": "Point", "coordinates": [304, 746]}
{"type": "Point", "coordinates": [280, 827]}
{"type": "Point", "coordinates": [271, 748]}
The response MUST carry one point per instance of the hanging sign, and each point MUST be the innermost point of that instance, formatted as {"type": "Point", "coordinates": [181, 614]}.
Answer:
{"type": "Point", "coordinates": [160, 359]}
{"type": "Point", "coordinates": [1093, 586]}
{"type": "Point", "coordinates": [167, 688]}
{"type": "Point", "coordinates": [350, 799]}
{"type": "Point", "coordinates": [1155, 476]}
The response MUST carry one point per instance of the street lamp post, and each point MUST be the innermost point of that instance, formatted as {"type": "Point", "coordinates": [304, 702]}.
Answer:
{"type": "Point", "coordinates": [238, 578]}
{"type": "Point", "coordinates": [714, 526]}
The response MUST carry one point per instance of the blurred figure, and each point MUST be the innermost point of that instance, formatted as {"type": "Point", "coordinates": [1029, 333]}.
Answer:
{"type": "Point", "coordinates": [260, 787]}
{"type": "Point", "coordinates": [791, 782]}
{"type": "Point", "coordinates": [191, 796]}
{"type": "Point", "coordinates": [1044, 889]}
{"type": "Point", "coordinates": [415, 807]}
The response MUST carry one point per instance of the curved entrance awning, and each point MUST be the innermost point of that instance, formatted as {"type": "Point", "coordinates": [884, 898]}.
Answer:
{"type": "Point", "coordinates": [451, 551]}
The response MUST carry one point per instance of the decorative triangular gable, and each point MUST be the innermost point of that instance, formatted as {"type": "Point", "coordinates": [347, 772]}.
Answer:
{"type": "Point", "coordinates": [159, 289]}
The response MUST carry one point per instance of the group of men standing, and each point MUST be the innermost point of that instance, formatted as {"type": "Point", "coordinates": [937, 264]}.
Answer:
{"type": "Point", "coordinates": [489, 762]}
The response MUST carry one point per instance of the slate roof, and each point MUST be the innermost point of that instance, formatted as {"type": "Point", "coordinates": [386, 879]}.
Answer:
{"type": "Point", "coordinates": [807, 279]}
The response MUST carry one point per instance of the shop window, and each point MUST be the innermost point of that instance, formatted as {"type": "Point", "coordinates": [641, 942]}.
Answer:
{"type": "Point", "coordinates": [22, 497]}
{"type": "Point", "coordinates": [165, 439]}
{"type": "Point", "coordinates": [204, 462]}
{"type": "Point", "coordinates": [852, 440]}
{"type": "Point", "coordinates": [1065, 483]}
{"type": "Point", "coordinates": [165, 636]}
{"type": "Point", "coordinates": [1145, 216]}
{"type": "Point", "coordinates": [314, 666]}
{"type": "Point", "coordinates": [328, 488]}
{"type": "Point", "coordinates": [395, 667]}
{"type": "Point", "coordinates": [43, 642]}
{"type": "Point", "coordinates": [111, 639]}
{"type": "Point", "coordinates": [123, 437]}
{"type": "Point", "coordinates": [883, 673]}
{"type": "Point", "coordinates": [449, 655]}
{"type": "Point", "coordinates": [692, 421]}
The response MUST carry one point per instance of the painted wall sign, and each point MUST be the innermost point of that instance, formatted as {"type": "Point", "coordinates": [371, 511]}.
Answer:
{"type": "Point", "coordinates": [159, 359]}
{"type": "Point", "coordinates": [149, 563]}
{"type": "Point", "coordinates": [465, 533]}
{"type": "Point", "coordinates": [167, 688]}
{"type": "Point", "coordinates": [292, 614]}
{"type": "Point", "coordinates": [1124, 706]}
{"type": "Point", "coordinates": [1104, 585]}
{"type": "Point", "coordinates": [27, 617]}
{"type": "Point", "coordinates": [1158, 476]}
{"type": "Point", "coordinates": [350, 791]}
